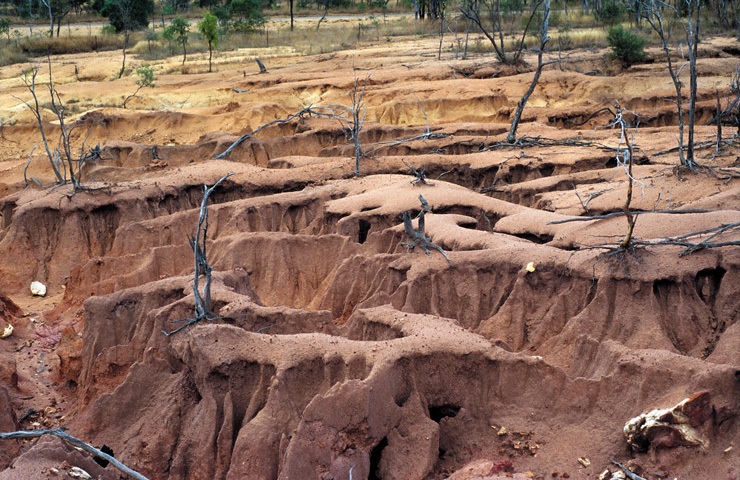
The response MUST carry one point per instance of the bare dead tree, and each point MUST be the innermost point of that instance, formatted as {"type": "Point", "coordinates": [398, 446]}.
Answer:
{"type": "Point", "coordinates": [492, 26]}
{"type": "Point", "coordinates": [420, 176]}
{"type": "Point", "coordinates": [358, 112]}
{"type": "Point", "coordinates": [326, 12]}
{"type": "Point", "coordinates": [544, 39]}
{"type": "Point", "coordinates": [653, 11]}
{"type": "Point", "coordinates": [29, 79]}
{"type": "Point", "coordinates": [65, 164]}
{"type": "Point", "coordinates": [627, 156]}
{"type": "Point", "coordinates": [77, 443]}
{"type": "Point", "coordinates": [201, 267]}
{"type": "Point", "coordinates": [417, 237]}
{"type": "Point", "coordinates": [731, 112]}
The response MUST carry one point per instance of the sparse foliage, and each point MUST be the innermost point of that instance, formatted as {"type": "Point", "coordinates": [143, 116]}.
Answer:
{"type": "Point", "coordinates": [146, 79]}
{"type": "Point", "coordinates": [5, 27]}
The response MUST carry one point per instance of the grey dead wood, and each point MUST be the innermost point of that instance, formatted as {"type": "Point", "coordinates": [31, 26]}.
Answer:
{"type": "Point", "coordinates": [75, 442]}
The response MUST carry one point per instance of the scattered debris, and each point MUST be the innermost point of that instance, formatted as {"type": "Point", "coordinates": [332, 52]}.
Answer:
{"type": "Point", "coordinates": [625, 472]}
{"type": "Point", "coordinates": [519, 444]}
{"type": "Point", "coordinates": [38, 289]}
{"type": "Point", "coordinates": [670, 427]}
{"type": "Point", "coordinates": [584, 461]}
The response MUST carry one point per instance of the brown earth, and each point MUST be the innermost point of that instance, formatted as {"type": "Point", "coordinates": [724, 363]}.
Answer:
{"type": "Point", "coordinates": [338, 349]}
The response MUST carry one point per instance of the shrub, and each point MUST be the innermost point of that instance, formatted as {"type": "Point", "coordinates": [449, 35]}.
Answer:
{"type": "Point", "coordinates": [626, 46]}
{"type": "Point", "coordinates": [612, 13]}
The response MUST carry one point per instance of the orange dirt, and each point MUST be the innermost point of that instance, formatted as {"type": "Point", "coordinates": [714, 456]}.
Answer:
{"type": "Point", "coordinates": [338, 349]}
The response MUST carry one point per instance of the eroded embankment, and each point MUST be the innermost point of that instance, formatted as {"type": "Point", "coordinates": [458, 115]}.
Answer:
{"type": "Point", "coordinates": [337, 348]}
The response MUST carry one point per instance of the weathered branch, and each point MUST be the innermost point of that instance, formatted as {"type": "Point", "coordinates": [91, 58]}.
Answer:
{"type": "Point", "coordinates": [305, 111]}
{"type": "Point", "coordinates": [629, 473]}
{"type": "Point", "coordinates": [619, 214]}
{"type": "Point", "coordinates": [75, 442]}
{"type": "Point", "coordinates": [417, 237]}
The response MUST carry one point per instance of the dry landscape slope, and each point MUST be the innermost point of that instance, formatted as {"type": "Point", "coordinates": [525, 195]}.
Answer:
{"type": "Point", "coordinates": [338, 349]}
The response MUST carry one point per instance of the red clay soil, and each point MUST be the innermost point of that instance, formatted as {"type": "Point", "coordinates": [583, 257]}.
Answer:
{"type": "Point", "coordinates": [338, 352]}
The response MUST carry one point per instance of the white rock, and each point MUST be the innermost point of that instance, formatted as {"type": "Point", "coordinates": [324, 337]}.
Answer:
{"type": "Point", "coordinates": [7, 331]}
{"type": "Point", "coordinates": [77, 472]}
{"type": "Point", "coordinates": [38, 288]}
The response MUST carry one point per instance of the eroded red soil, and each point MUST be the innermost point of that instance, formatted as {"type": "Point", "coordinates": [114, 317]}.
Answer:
{"type": "Point", "coordinates": [337, 348]}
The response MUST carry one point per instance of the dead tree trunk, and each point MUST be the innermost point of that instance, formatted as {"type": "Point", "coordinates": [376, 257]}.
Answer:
{"type": "Point", "coordinates": [627, 160]}
{"type": "Point", "coordinates": [544, 38]}
{"type": "Point", "coordinates": [357, 97]}
{"type": "Point", "coordinates": [203, 307]}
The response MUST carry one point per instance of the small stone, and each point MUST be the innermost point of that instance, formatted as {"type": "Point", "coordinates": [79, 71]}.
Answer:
{"type": "Point", "coordinates": [6, 331]}
{"type": "Point", "coordinates": [502, 431]}
{"type": "Point", "coordinates": [530, 267]}
{"type": "Point", "coordinates": [77, 472]}
{"type": "Point", "coordinates": [38, 289]}
{"type": "Point", "coordinates": [584, 461]}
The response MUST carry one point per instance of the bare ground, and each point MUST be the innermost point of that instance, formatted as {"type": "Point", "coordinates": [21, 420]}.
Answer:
{"type": "Point", "coordinates": [338, 348]}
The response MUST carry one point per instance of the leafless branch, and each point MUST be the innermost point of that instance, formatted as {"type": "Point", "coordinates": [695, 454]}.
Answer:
{"type": "Point", "coordinates": [75, 442]}
{"type": "Point", "coordinates": [619, 214]}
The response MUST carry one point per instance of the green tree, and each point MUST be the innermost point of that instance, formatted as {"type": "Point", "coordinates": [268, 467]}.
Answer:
{"type": "Point", "coordinates": [178, 32]}
{"type": "Point", "coordinates": [626, 46]}
{"type": "Point", "coordinates": [612, 13]}
{"type": "Point", "coordinates": [127, 16]}
{"type": "Point", "coordinates": [209, 29]}
{"type": "Point", "coordinates": [246, 14]}
{"type": "Point", "coordinates": [5, 27]}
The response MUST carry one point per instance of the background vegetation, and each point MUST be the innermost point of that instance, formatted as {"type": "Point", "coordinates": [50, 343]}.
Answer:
{"type": "Point", "coordinates": [33, 28]}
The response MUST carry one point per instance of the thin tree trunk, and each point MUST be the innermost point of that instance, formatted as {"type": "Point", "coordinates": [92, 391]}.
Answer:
{"type": "Point", "coordinates": [544, 38]}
